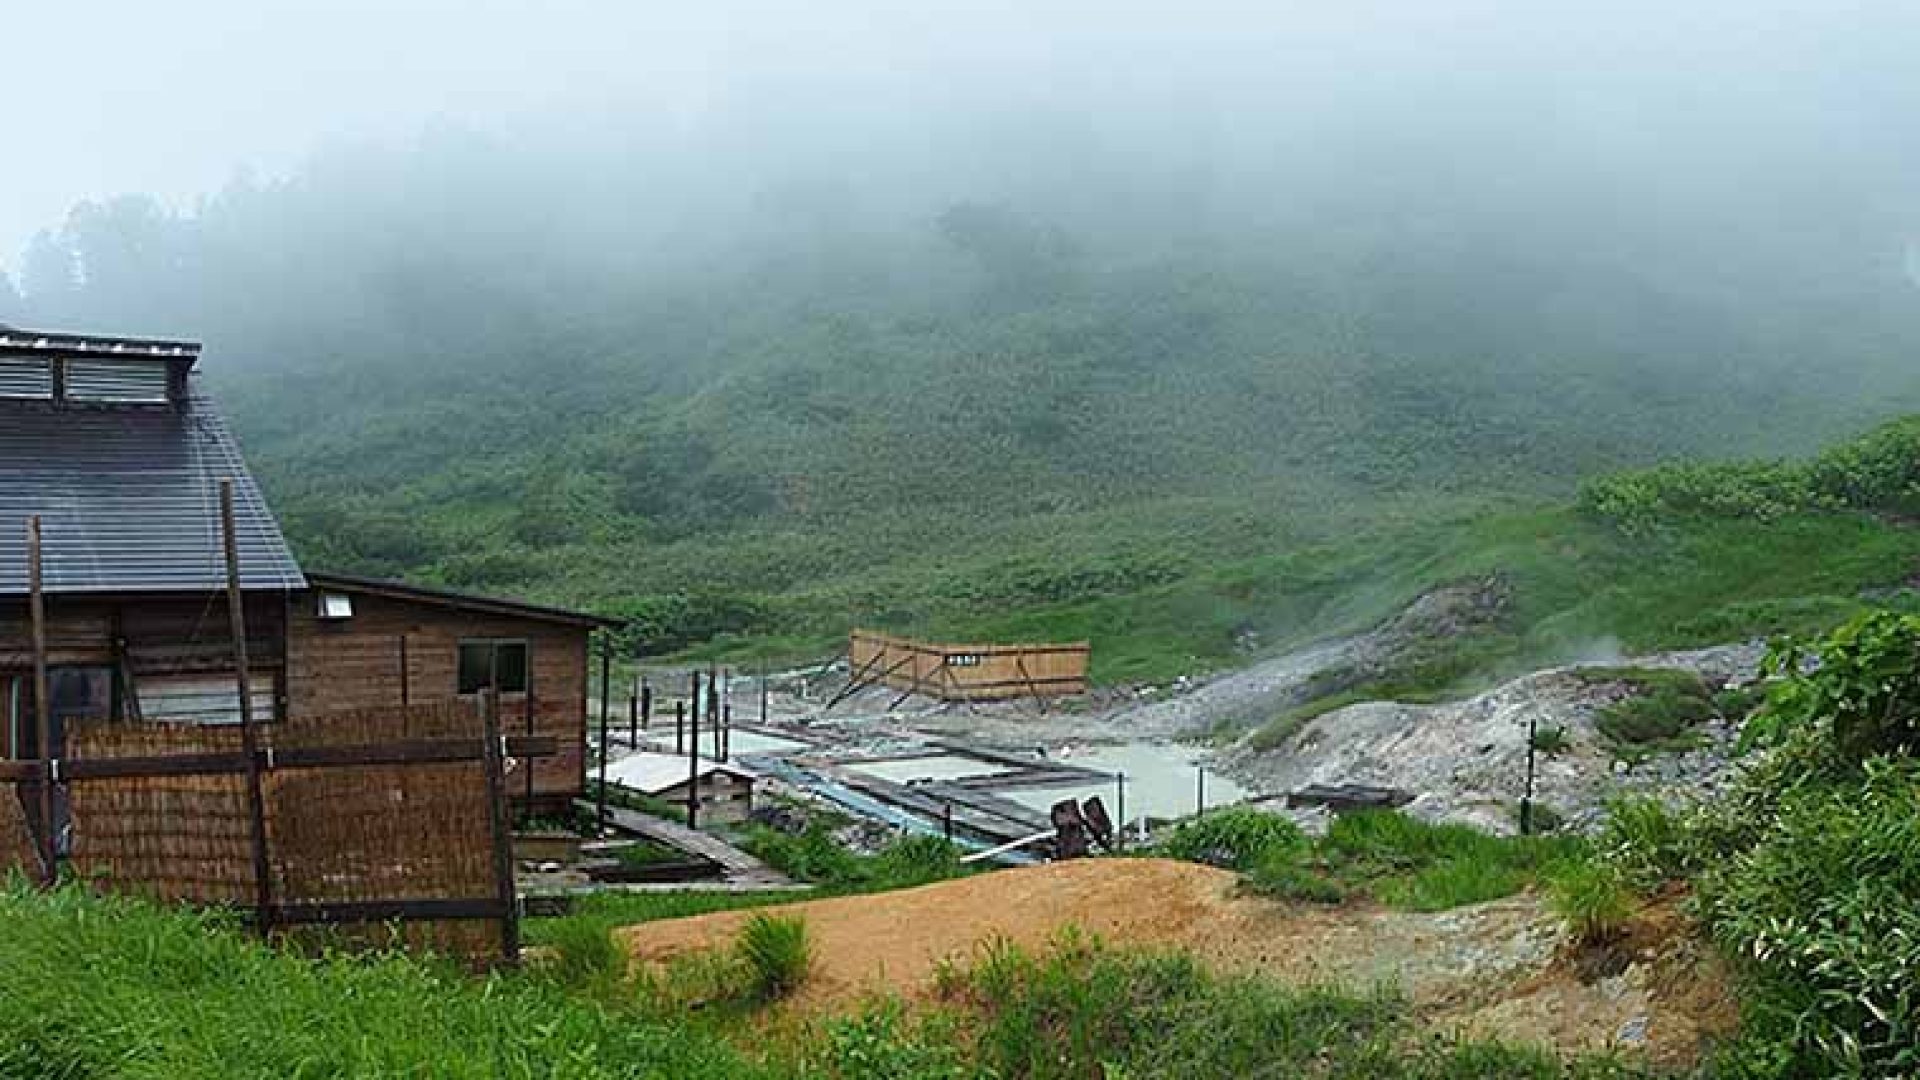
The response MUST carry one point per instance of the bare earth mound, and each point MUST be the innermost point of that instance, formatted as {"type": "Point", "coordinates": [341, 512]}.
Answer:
{"type": "Point", "coordinates": [1495, 969]}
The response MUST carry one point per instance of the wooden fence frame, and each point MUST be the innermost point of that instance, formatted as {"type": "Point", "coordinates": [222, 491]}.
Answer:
{"type": "Point", "coordinates": [492, 749]}
{"type": "Point", "coordinates": [967, 672]}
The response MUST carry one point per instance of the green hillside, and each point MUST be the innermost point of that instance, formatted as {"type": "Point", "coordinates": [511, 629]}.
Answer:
{"type": "Point", "coordinates": [752, 420]}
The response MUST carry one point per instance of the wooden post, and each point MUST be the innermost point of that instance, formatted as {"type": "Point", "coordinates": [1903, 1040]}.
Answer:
{"type": "Point", "coordinates": [946, 821]}
{"type": "Point", "coordinates": [42, 707]}
{"type": "Point", "coordinates": [606, 702]}
{"type": "Point", "coordinates": [633, 714]}
{"type": "Point", "coordinates": [646, 704]}
{"type": "Point", "coordinates": [528, 708]}
{"type": "Point", "coordinates": [494, 759]}
{"type": "Point", "coordinates": [406, 675]}
{"type": "Point", "coordinates": [1120, 833]}
{"type": "Point", "coordinates": [693, 764]}
{"type": "Point", "coordinates": [679, 727]}
{"type": "Point", "coordinates": [1526, 799]}
{"type": "Point", "coordinates": [763, 693]}
{"type": "Point", "coordinates": [720, 733]}
{"type": "Point", "coordinates": [249, 738]}
{"type": "Point", "coordinates": [1200, 791]}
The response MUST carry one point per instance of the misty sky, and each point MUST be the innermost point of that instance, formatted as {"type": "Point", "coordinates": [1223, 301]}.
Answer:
{"type": "Point", "coordinates": [175, 99]}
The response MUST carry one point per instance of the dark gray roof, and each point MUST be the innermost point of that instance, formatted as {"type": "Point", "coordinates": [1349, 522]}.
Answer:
{"type": "Point", "coordinates": [129, 500]}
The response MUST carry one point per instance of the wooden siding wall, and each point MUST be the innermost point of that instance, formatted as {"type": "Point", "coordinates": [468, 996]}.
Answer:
{"type": "Point", "coordinates": [970, 672]}
{"type": "Point", "coordinates": [356, 663]}
{"type": "Point", "coordinates": [163, 634]}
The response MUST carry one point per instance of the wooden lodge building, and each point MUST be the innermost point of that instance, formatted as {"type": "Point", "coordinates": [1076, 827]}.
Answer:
{"type": "Point", "coordinates": [113, 446]}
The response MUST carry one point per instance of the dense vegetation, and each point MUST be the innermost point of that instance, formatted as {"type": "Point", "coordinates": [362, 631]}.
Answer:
{"type": "Point", "coordinates": [748, 415]}
{"type": "Point", "coordinates": [1807, 873]}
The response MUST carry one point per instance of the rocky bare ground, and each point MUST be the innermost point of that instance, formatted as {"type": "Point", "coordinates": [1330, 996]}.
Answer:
{"type": "Point", "coordinates": [1466, 761]}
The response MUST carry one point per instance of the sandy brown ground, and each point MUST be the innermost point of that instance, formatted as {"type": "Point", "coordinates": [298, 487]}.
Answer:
{"type": "Point", "coordinates": [1496, 969]}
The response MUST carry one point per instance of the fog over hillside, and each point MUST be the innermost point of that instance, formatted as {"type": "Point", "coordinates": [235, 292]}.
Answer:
{"type": "Point", "coordinates": [612, 304]}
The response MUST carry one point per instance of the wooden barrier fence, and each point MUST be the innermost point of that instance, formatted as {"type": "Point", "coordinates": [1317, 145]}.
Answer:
{"type": "Point", "coordinates": [968, 672]}
{"type": "Point", "coordinates": [368, 819]}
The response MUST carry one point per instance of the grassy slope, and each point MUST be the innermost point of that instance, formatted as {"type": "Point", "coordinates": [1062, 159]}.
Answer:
{"type": "Point", "coordinates": [1160, 457]}
{"type": "Point", "coordinates": [106, 988]}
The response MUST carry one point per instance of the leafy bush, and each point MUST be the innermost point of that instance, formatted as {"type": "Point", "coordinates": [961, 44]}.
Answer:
{"type": "Point", "coordinates": [777, 954]}
{"type": "Point", "coordinates": [1551, 741]}
{"type": "Point", "coordinates": [1590, 898]}
{"type": "Point", "coordinates": [1236, 838]}
{"type": "Point", "coordinates": [1860, 685]}
{"type": "Point", "coordinates": [1824, 910]}
{"type": "Point", "coordinates": [878, 1043]}
{"type": "Point", "coordinates": [1877, 472]}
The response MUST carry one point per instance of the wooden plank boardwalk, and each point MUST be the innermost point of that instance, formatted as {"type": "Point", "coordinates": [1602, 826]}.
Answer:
{"type": "Point", "coordinates": [740, 867]}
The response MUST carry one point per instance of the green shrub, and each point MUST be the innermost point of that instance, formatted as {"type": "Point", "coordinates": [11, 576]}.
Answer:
{"type": "Point", "coordinates": [1860, 685]}
{"type": "Point", "coordinates": [777, 954]}
{"type": "Point", "coordinates": [1645, 841]}
{"type": "Point", "coordinates": [1590, 899]}
{"type": "Point", "coordinates": [916, 860]}
{"type": "Point", "coordinates": [878, 1043]}
{"type": "Point", "coordinates": [1236, 838]}
{"type": "Point", "coordinates": [1661, 715]}
{"type": "Point", "coordinates": [1551, 741]}
{"type": "Point", "coordinates": [1824, 914]}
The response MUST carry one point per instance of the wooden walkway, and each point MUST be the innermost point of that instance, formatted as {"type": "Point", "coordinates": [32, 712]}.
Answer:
{"type": "Point", "coordinates": [740, 867]}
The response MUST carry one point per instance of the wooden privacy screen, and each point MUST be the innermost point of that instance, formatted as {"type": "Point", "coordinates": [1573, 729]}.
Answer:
{"type": "Point", "coordinates": [969, 672]}
{"type": "Point", "coordinates": [375, 818]}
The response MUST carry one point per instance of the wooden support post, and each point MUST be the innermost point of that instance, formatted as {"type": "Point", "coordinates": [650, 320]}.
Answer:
{"type": "Point", "coordinates": [633, 714]}
{"type": "Point", "coordinates": [946, 821]}
{"type": "Point", "coordinates": [528, 708]}
{"type": "Point", "coordinates": [1200, 791]}
{"type": "Point", "coordinates": [940, 669]}
{"type": "Point", "coordinates": [646, 704]}
{"type": "Point", "coordinates": [249, 738]}
{"type": "Point", "coordinates": [42, 707]}
{"type": "Point", "coordinates": [495, 766]}
{"type": "Point", "coordinates": [693, 766]}
{"type": "Point", "coordinates": [606, 748]}
{"type": "Point", "coordinates": [726, 730]}
{"type": "Point", "coordinates": [1020, 665]}
{"type": "Point", "coordinates": [1526, 798]}
{"type": "Point", "coordinates": [406, 675]}
{"type": "Point", "coordinates": [679, 727]}
{"type": "Point", "coordinates": [854, 683]}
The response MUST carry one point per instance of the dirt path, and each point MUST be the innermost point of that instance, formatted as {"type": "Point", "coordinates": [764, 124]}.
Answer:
{"type": "Point", "coordinates": [1494, 969]}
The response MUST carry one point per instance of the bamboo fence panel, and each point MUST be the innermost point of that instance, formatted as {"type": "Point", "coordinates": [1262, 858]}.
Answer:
{"type": "Point", "coordinates": [973, 671]}
{"type": "Point", "coordinates": [172, 838]}
{"type": "Point", "coordinates": [17, 852]}
{"type": "Point", "coordinates": [335, 834]}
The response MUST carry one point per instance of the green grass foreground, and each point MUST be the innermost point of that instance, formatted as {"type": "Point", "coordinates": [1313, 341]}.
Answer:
{"type": "Point", "coordinates": [97, 987]}
{"type": "Point", "coordinates": [114, 988]}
